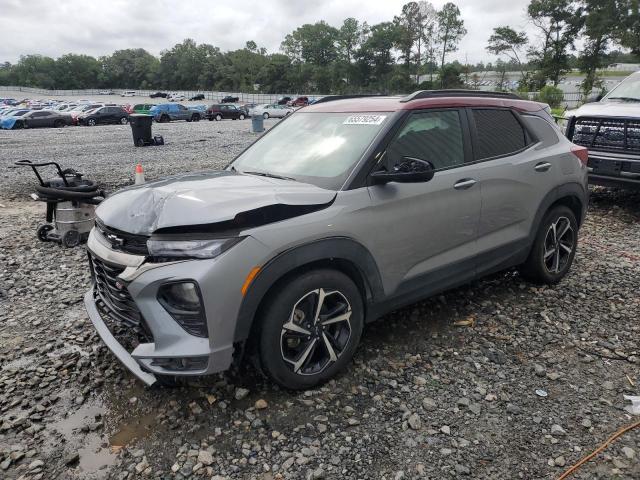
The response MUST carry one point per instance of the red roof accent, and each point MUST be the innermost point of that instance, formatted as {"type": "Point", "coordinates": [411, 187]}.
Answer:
{"type": "Point", "coordinates": [393, 104]}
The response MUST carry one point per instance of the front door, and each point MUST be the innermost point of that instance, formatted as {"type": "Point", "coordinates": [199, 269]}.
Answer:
{"type": "Point", "coordinates": [425, 237]}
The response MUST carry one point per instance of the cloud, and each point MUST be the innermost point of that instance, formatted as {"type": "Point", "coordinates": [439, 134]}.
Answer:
{"type": "Point", "coordinates": [99, 27]}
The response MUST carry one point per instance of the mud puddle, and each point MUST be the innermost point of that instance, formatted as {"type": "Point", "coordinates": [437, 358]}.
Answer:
{"type": "Point", "coordinates": [97, 430]}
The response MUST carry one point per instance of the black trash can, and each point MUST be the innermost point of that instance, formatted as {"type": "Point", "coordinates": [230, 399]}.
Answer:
{"type": "Point", "coordinates": [141, 129]}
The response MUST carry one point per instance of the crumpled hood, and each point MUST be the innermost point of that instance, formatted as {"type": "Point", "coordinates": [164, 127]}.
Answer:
{"type": "Point", "coordinates": [606, 109]}
{"type": "Point", "coordinates": [201, 198]}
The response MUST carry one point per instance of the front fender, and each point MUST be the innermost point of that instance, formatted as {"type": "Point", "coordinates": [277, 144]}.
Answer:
{"type": "Point", "coordinates": [335, 248]}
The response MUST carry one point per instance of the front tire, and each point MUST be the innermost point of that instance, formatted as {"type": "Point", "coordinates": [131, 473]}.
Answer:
{"type": "Point", "coordinates": [310, 329]}
{"type": "Point", "coordinates": [218, 117]}
{"type": "Point", "coordinates": [554, 247]}
{"type": "Point", "coordinates": [241, 117]}
{"type": "Point", "coordinates": [124, 121]}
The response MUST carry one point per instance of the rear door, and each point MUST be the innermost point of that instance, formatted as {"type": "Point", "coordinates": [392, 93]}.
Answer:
{"type": "Point", "coordinates": [514, 177]}
{"type": "Point", "coordinates": [425, 238]}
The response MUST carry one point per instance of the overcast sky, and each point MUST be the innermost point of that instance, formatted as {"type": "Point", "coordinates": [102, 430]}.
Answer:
{"type": "Point", "coordinates": [98, 27]}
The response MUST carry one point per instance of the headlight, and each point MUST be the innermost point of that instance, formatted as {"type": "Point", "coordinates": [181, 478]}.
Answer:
{"type": "Point", "coordinates": [209, 248]}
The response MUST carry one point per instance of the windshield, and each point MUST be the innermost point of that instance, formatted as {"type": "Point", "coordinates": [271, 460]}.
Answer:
{"type": "Point", "coordinates": [316, 148]}
{"type": "Point", "coordinates": [628, 89]}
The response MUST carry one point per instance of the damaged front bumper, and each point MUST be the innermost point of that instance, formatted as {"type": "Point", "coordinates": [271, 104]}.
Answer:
{"type": "Point", "coordinates": [123, 305]}
{"type": "Point", "coordinates": [110, 341]}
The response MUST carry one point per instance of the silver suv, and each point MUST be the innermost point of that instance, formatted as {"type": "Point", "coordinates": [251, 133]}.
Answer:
{"type": "Point", "coordinates": [346, 210]}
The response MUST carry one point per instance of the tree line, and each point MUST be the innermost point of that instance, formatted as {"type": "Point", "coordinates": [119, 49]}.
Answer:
{"type": "Point", "coordinates": [356, 57]}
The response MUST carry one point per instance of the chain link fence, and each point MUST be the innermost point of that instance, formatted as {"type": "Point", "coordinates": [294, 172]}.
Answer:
{"type": "Point", "coordinates": [214, 96]}
{"type": "Point", "coordinates": [570, 99]}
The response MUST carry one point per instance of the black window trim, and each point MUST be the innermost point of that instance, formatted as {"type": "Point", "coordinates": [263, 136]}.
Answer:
{"type": "Point", "coordinates": [530, 137]}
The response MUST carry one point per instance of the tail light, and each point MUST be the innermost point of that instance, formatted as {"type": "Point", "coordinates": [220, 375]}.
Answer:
{"type": "Point", "coordinates": [582, 153]}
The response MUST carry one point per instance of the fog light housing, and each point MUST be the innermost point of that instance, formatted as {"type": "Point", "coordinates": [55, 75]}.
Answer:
{"type": "Point", "coordinates": [182, 300]}
{"type": "Point", "coordinates": [181, 364]}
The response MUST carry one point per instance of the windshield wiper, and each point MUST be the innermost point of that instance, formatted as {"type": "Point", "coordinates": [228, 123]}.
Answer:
{"type": "Point", "coordinates": [270, 175]}
{"type": "Point", "coordinates": [625, 99]}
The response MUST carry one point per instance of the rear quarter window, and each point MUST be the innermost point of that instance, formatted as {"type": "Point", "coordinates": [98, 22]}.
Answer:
{"type": "Point", "coordinates": [498, 133]}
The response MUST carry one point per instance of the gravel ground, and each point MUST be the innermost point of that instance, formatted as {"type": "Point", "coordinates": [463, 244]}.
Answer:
{"type": "Point", "coordinates": [106, 153]}
{"type": "Point", "coordinates": [498, 379]}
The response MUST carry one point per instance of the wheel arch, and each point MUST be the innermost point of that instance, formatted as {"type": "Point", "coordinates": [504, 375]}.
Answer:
{"type": "Point", "coordinates": [572, 195]}
{"type": "Point", "coordinates": [342, 254]}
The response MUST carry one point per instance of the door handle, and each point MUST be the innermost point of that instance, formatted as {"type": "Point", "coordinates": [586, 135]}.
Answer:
{"type": "Point", "coordinates": [542, 167]}
{"type": "Point", "coordinates": [464, 184]}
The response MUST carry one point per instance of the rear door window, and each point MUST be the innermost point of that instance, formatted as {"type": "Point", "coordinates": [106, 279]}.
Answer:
{"type": "Point", "coordinates": [498, 133]}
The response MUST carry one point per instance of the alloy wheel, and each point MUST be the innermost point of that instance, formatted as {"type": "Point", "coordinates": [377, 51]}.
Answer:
{"type": "Point", "coordinates": [317, 331]}
{"type": "Point", "coordinates": [558, 245]}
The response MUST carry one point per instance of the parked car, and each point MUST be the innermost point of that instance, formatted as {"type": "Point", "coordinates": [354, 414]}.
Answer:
{"type": "Point", "coordinates": [275, 111]}
{"type": "Point", "coordinates": [80, 109]}
{"type": "Point", "coordinates": [106, 92]}
{"type": "Point", "coordinates": [128, 93]}
{"type": "Point", "coordinates": [38, 119]}
{"type": "Point", "coordinates": [247, 107]}
{"type": "Point", "coordinates": [610, 128]}
{"type": "Point", "coordinates": [158, 95]}
{"type": "Point", "coordinates": [9, 118]}
{"type": "Point", "coordinates": [300, 102]}
{"type": "Point", "coordinates": [283, 100]}
{"type": "Point", "coordinates": [220, 111]}
{"type": "Point", "coordinates": [176, 97]}
{"type": "Point", "coordinates": [229, 99]}
{"type": "Point", "coordinates": [167, 112]}
{"type": "Point", "coordinates": [347, 210]}
{"type": "Point", "coordinates": [104, 116]}
{"type": "Point", "coordinates": [199, 96]}
{"type": "Point", "coordinates": [143, 108]}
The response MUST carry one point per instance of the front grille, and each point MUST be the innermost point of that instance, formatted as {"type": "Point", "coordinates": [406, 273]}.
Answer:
{"type": "Point", "coordinates": [122, 241]}
{"type": "Point", "coordinates": [113, 299]}
{"type": "Point", "coordinates": [608, 134]}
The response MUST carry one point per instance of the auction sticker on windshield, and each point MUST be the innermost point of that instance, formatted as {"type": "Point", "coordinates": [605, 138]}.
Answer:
{"type": "Point", "coordinates": [364, 120]}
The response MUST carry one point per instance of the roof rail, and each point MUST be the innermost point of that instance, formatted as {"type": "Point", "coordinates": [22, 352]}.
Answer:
{"type": "Point", "coordinates": [458, 93]}
{"type": "Point", "coordinates": [331, 98]}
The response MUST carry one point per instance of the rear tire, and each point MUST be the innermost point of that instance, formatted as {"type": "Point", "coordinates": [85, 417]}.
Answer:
{"type": "Point", "coordinates": [91, 122]}
{"type": "Point", "coordinates": [195, 118]}
{"type": "Point", "coordinates": [554, 247]}
{"type": "Point", "coordinates": [241, 117]}
{"type": "Point", "coordinates": [265, 115]}
{"type": "Point", "coordinates": [302, 346]}
{"type": "Point", "coordinates": [124, 121]}
{"type": "Point", "coordinates": [218, 117]}
{"type": "Point", "coordinates": [58, 124]}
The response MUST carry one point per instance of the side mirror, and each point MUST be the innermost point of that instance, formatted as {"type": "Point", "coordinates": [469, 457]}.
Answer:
{"type": "Point", "coordinates": [594, 97]}
{"type": "Point", "coordinates": [411, 170]}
